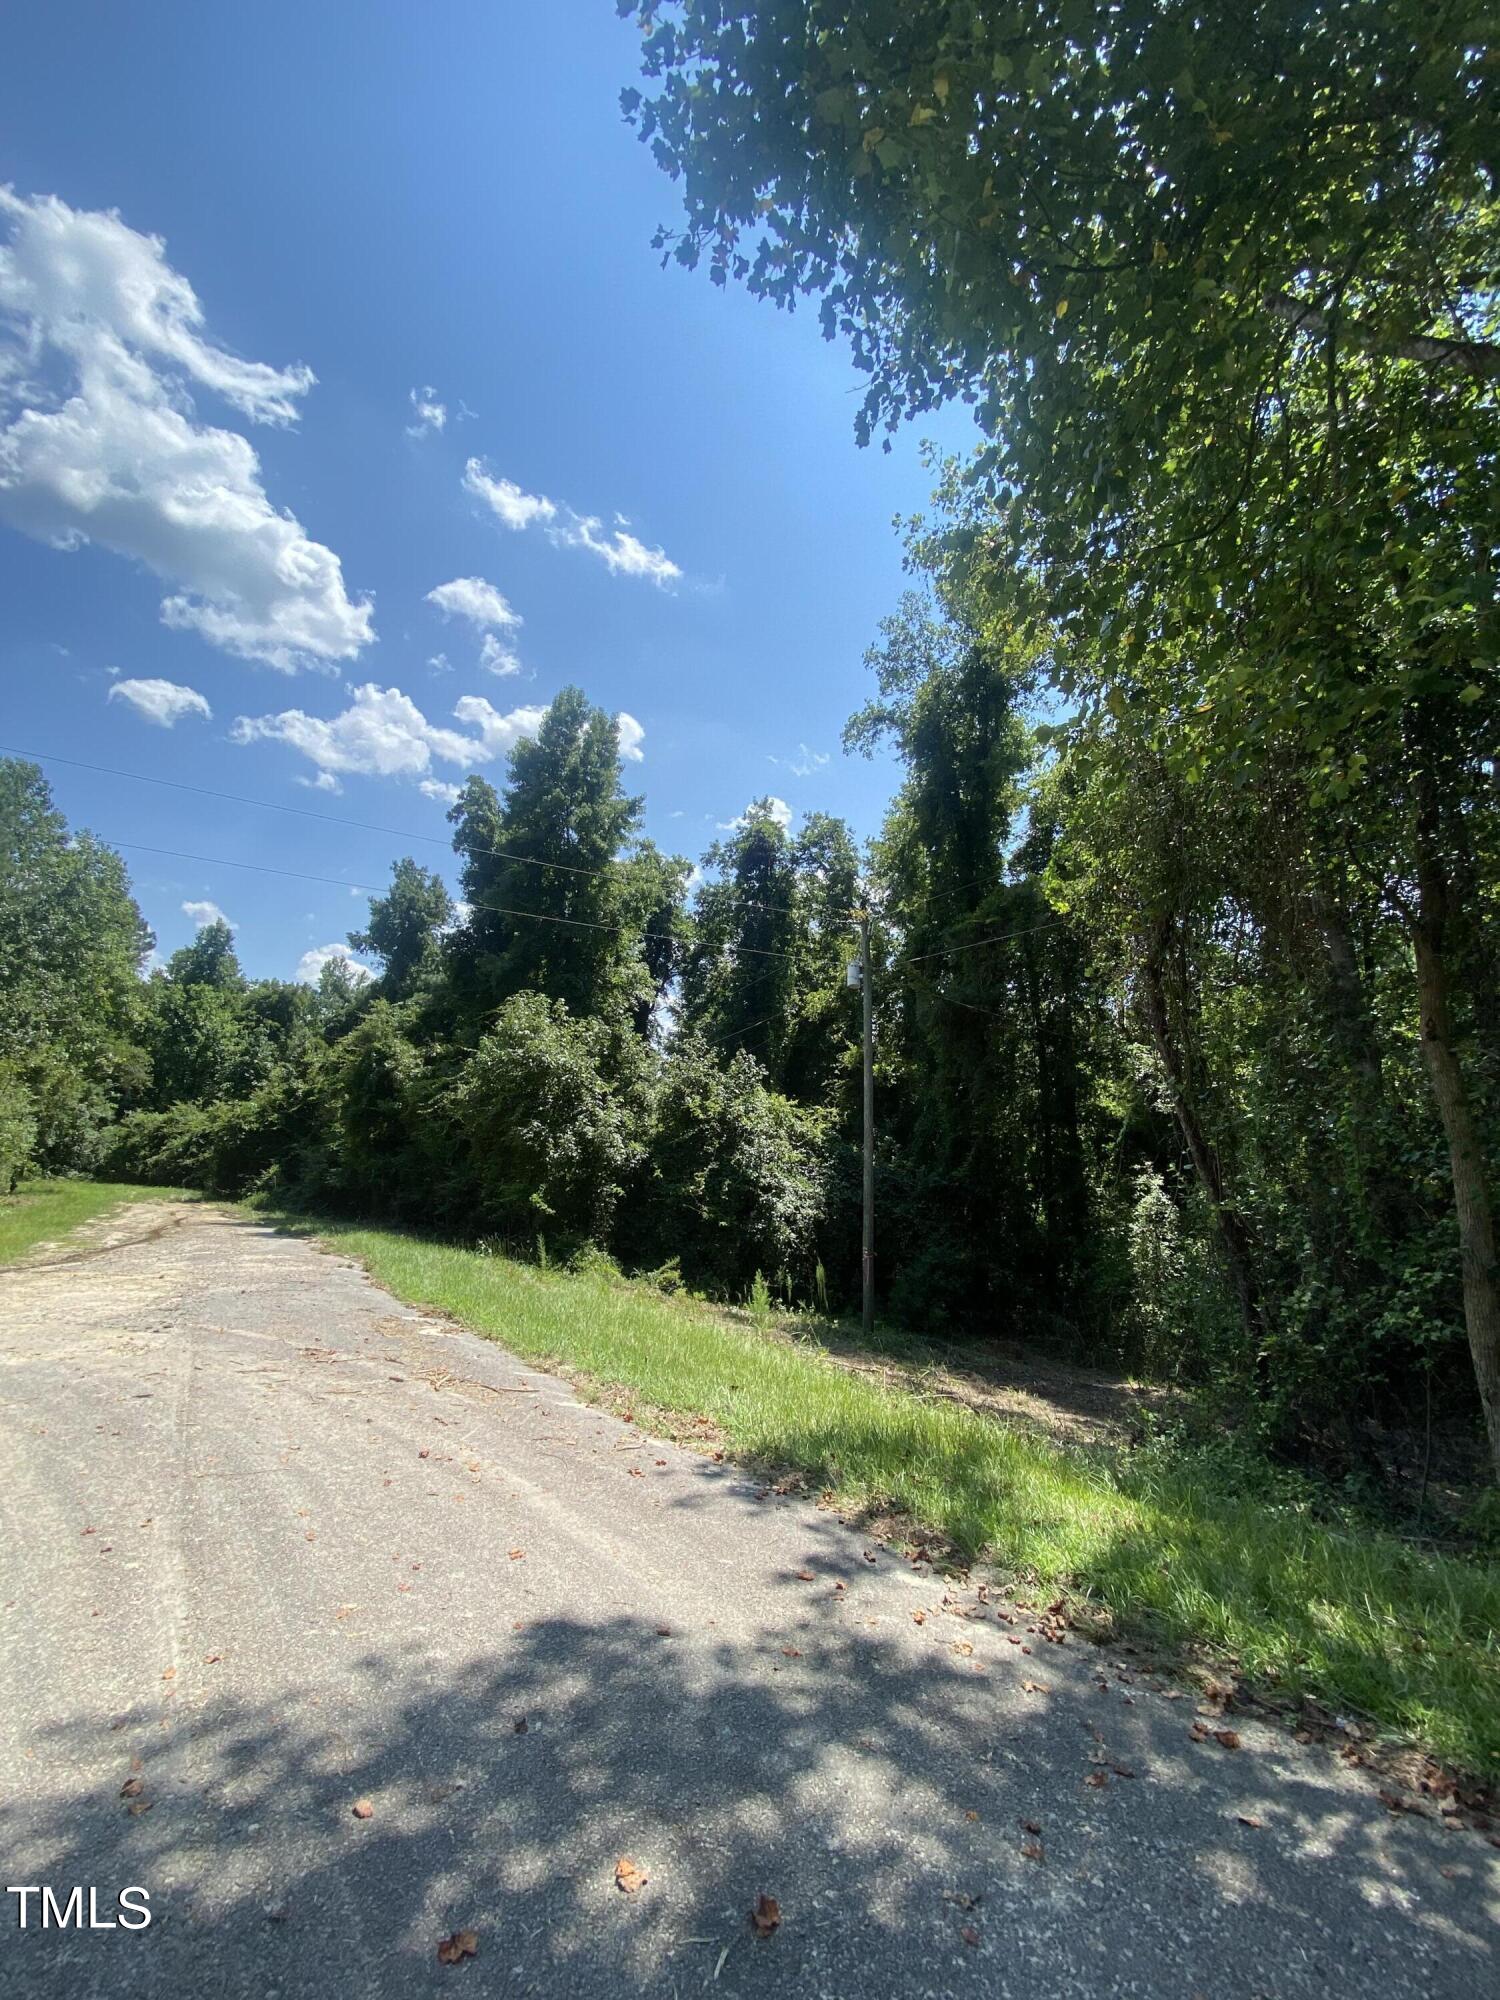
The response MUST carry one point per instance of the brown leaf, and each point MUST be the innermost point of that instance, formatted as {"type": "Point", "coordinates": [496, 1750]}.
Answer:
{"type": "Point", "coordinates": [663, 1631]}
{"type": "Point", "coordinates": [1035, 1687]}
{"type": "Point", "coordinates": [517, 1555]}
{"type": "Point", "coordinates": [961, 1899]}
{"type": "Point", "coordinates": [1031, 1850]}
{"type": "Point", "coordinates": [791, 1652]}
{"type": "Point", "coordinates": [1098, 1779]}
{"type": "Point", "coordinates": [1031, 1826]}
{"type": "Point", "coordinates": [765, 1915]}
{"type": "Point", "coordinates": [1122, 1770]}
{"type": "Point", "coordinates": [1230, 1738]}
{"type": "Point", "coordinates": [969, 1935]}
{"type": "Point", "coordinates": [362, 1809]}
{"type": "Point", "coordinates": [804, 1576]}
{"type": "Point", "coordinates": [919, 1618]}
{"type": "Point", "coordinates": [455, 1948]}
{"type": "Point", "coordinates": [132, 1788]}
{"type": "Point", "coordinates": [1198, 1733]}
{"type": "Point", "coordinates": [139, 1806]}
{"type": "Point", "coordinates": [1247, 1819]}
{"type": "Point", "coordinates": [630, 1877]}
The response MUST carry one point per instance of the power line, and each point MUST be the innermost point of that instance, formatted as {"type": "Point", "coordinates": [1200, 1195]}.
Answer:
{"type": "Point", "coordinates": [974, 944]}
{"type": "Point", "coordinates": [494, 909]}
{"type": "Point", "coordinates": [339, 819]}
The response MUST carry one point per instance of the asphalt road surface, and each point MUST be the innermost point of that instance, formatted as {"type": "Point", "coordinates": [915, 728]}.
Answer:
{"type": "Point", "coordinates": [275, 1546]}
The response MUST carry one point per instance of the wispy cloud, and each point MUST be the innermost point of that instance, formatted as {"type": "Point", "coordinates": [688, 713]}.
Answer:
{"type": "Point", "coordinates": [803, 764]}
{"type": "Point", "coordinates": [621, 552]}
{"type": "Point", "coordinates": [101, 345]}
{"type": "Point", "coordinates": [489, 610]}
{"type": "Point", "coordinates": [428, 414]}
{"type": "Point", "coordinates": [206, 913]}
{"type": "Point", "coordinates": [161, 702]}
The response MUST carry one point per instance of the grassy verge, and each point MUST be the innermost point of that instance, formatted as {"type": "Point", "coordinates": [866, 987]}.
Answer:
{"type": "Point", "coordinates": [1360, 1620]}
{"type": "Point", "coordinates": [40, 1210]}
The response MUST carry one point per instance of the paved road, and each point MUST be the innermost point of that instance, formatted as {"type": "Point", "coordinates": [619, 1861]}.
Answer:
{"type": "Point", "coordinates": [275, 1545]}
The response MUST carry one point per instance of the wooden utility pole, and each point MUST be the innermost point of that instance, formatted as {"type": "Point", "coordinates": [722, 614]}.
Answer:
{"type": "Point", "coordinates": [868, 1257]}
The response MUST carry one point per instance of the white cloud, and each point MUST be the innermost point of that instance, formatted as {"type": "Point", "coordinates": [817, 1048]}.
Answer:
{"type": "Point", "coordinates": [631, 736]}
{"type": "Point", "coordinates": [804, 763]}
{"type": "Point", "coordinates": [773, 808]}
{"type": "Point", "coordinates": [434, 788]}
{"type": "Point", "coordinates": [473, 598]}
{"type": "Point", "coordinates": [429, 413]}
{"type": "Point", "coordinates": [161, 702]}
{"type": "Point", "coordinates": [620, 551]}
{"type": "Point", "coordinates": [100, 344]}
{"type": "Point", "coordinates": [382, 733]}
{"type": "Point", "coordinates": [205, 913]}
{"type": "Point", "coordinates": [483, 605]}
{"type": "Point", "coordinates": [496, 658]}
{"type": "Point", "coordinates": [310, 964]}
{"type": "Point", "coordinates": [515, 507]}
{"type": "Point", "coordinates": [440, 663]}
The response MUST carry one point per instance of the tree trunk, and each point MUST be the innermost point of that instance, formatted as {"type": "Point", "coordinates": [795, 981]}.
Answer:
{"type": "Point", "coordinates": [1471, 1196]}
{"type": "Point", "coordinates": [1233, 1235]}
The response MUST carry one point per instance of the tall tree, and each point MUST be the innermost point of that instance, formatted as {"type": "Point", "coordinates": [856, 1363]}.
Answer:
{"type": "Point", "coordinates": [405, 925]}
{"type": "Point", "coordinates": [541, 865]}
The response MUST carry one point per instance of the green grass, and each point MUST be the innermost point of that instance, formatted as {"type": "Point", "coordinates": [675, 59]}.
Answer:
{"type": "Point", "coordinates": [41, 1210]}
{"type": "Point", "coordinates": [1358, 1619]}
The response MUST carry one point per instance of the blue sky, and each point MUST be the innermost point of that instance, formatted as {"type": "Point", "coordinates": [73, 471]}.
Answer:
{"type": "Point", "coordinates": [658, 482]}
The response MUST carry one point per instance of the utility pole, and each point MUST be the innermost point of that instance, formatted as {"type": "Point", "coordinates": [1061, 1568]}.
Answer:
{"type": "Point", "coordinates": [868, 1256]}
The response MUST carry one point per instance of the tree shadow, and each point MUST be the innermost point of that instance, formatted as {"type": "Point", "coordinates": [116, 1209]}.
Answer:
{"type": "Point", "coordinates": [886, 1799]}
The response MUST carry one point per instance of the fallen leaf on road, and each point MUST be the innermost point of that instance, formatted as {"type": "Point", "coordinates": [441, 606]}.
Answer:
{"type": "Point", "coordinates": [969, 1935]}
{"type": "Point", "coordinates": [454, 1949]}
{"type": "Point", "coordinates": [961, 1899]}
{"type": "Point", "coordinates": [1247, 1819]}
{"type": "Point", "coordinates": [791, 1652]}
{"type": "Point", "coordinates": [1098, 1779]}
{"type": "Point", "coordinates": [629, 1877]}
{"type": "Point", "coordinates": [518, 1555]}
{"type": "Point", "coordinates": [1035, 1687]}
{"type": "Point", "coordinates": [139, 1806]}
{"type": "Point", "coordinates": [132, 1788]}
{"type": "Point", "coordinates": [1122, 1770]}
{"type": "Point", "coordinates": [804, 1576]}
{"type": "Point", "coordinates": [1228, 1737]}
{"type": "Point", "coordinates": [962, 1646]}
{"type": "Point", "coordinates": [765, 1915]}
{"type": "Point", "coordinates": [1031, 1826]}
{"type": "Point", "coordinates": [919, 1618]}
{"type": "Point", "coordinates": [520, 1725]}
{"type": "Point", "coordinates": [1031, 1850]}
{"type": "Point", "coordinates": [170, 1674]}
{"type": "Point", "coordinates": [424, 1452]}
{"type": "Point", "coordinates": [663, 1631]}
{"type": "Point", "coordinates": [362, 1809]}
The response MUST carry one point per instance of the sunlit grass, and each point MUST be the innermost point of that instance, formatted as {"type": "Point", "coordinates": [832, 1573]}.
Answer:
{"type": "Point", "coordinates": [1359, 1619]}
{"type": "Point", "coordinates": [40, 1210]}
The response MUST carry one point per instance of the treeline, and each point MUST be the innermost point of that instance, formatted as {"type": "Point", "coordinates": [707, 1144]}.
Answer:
{"type": "Point", "coordinates": [1221, 284]}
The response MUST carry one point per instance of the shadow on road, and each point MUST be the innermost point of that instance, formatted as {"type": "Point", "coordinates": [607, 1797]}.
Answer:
{"type": "Point", "coordinates": [884, 1803]}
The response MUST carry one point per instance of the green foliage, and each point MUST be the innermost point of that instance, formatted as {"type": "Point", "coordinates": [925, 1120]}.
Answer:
{"type": "Point", "coordinates": [405, 926]}
{"type": "Point", "coordinates": [550, 1115]}
{"type": "Point", "coordinates": [71, 945]}
{"type": "Point", "coordinates": [18, 1127]}
{"type": "Point", "coordinates": [737, 1174]}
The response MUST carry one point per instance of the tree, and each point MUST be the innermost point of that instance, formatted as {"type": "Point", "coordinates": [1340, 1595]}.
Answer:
{"type": "Point", "coordinates": [541, 866]}
{"type": "Point", "coordinates": [1223, 287]}
{"type": "Point", "coordinates": [71, 945]}
{"type": "Point", "coordinates": [210, 960]}
{"type": "Point", "coordinates": [405, 925]}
